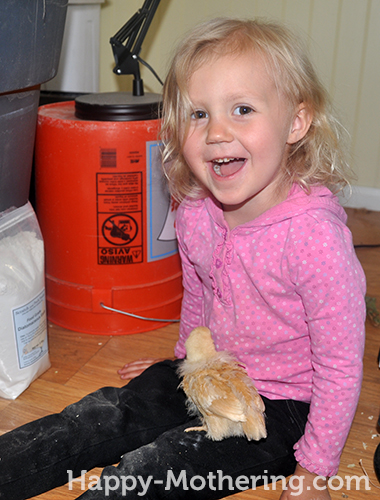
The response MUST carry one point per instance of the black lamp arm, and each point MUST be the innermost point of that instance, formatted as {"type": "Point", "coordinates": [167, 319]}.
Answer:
{"type": "Point", "coordinates": [133, 33]}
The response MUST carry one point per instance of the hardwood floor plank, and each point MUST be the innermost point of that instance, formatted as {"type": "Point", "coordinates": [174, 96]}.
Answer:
{"type": "Point", "coordinates": [69, 351]}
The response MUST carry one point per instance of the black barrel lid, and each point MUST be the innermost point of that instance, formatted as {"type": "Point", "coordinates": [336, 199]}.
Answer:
{"type": "Point", "coordinates": [117, 107]}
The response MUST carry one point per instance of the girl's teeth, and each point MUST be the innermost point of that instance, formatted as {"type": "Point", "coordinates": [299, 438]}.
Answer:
{"type": "Point", "coordinates": [223, 160]}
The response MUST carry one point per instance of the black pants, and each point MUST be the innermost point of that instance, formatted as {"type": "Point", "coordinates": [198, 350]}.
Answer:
{"type": "Point", "coordinates": [142, 426]}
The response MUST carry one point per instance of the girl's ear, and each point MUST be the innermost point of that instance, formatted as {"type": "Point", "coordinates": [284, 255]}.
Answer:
{"type": "Point", "coordinates": [301, 124]}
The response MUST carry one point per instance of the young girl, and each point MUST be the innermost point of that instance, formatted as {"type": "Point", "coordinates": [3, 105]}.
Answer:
{"type": "Point", "coordinates": [268, 265]}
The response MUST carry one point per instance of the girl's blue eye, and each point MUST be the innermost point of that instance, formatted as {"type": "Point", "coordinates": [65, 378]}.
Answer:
{"type": "Point", "coordinates": [243, 110]}
{"type": "Point", "coordinates": [198, 115]}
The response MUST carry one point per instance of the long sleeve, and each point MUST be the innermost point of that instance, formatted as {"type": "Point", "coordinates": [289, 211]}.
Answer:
{"type": "Point", "coordinates": [192, 312]}
{"type": "Point", "coordinates": [330, 281]}
{"type": "Point", "coordinates": [192, 303]}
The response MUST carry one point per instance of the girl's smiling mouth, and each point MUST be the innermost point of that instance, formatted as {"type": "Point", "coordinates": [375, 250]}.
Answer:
{"type": "Point", "coordinates": [224, 167]}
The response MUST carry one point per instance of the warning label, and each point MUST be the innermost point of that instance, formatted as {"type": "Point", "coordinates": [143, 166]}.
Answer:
{"type": "Point", "coordinates": [120, 218]}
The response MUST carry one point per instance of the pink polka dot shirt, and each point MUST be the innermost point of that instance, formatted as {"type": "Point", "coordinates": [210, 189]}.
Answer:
{"type": "Point", "coordinates": [285, 294]}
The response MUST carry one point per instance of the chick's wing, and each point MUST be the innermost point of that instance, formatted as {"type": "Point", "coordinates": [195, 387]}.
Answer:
{"type": "Point", "coordinates": [211, 393]}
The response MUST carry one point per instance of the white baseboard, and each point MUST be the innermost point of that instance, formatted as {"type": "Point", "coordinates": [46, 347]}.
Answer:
{"type": "Point", "coordinates": [361, 197]}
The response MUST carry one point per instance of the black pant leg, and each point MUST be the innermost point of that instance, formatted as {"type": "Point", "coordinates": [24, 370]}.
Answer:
{"type": "Point", "coordinates": [184, 466]}
{"type": "Point", "coordinates": [95, 431]}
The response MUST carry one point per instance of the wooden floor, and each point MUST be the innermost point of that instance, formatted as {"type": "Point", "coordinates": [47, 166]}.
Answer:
{"type": "Point", "coordinates": [82, 363]}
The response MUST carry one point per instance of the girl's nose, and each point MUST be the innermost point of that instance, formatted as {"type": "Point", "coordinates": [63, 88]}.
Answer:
{"type": "Point", "coordinates": [218, 130]}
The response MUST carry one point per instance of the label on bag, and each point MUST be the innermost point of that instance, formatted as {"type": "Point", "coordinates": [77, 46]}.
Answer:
{"type": "Point", "coordinates": [30, 330]}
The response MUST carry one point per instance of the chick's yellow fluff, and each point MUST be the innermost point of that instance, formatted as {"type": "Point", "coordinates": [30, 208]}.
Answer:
{"type": "Point", "coordinates": [219, 389]}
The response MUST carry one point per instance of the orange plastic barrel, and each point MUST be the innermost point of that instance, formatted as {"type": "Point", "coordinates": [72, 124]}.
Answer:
{"type": "Point", "coordinates": [107, 222]}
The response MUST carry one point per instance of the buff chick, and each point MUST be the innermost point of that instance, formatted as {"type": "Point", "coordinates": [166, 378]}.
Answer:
{"type": "Point", "coordinates": [220, 390]}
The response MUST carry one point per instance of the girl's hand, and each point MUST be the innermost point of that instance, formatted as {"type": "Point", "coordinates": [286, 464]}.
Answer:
{"type": "Point", "coordinates": [305, 485]}
{"type": "Point", "coordinates": [135, 368]}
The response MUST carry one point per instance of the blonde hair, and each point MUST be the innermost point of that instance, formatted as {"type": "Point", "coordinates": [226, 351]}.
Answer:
{"type": "Point", "coordinates": [318, 158]}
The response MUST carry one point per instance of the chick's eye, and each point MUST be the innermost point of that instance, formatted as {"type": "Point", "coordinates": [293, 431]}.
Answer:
{"type": "Point", "coordinates": [198, 115]}
{"type": "Point", "coordinates": [243, 110]}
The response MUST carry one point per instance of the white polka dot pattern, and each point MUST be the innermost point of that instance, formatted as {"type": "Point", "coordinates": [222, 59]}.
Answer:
{"type": "Point", "coordinates": [285, 293]}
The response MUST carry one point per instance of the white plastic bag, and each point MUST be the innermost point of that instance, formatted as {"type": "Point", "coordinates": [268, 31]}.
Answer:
{"type": "Point", "coordinates": [24, 352]}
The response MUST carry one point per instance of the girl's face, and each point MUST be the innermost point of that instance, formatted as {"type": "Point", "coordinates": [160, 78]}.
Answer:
{"type": "Point", "coordinates": [240, 133]}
